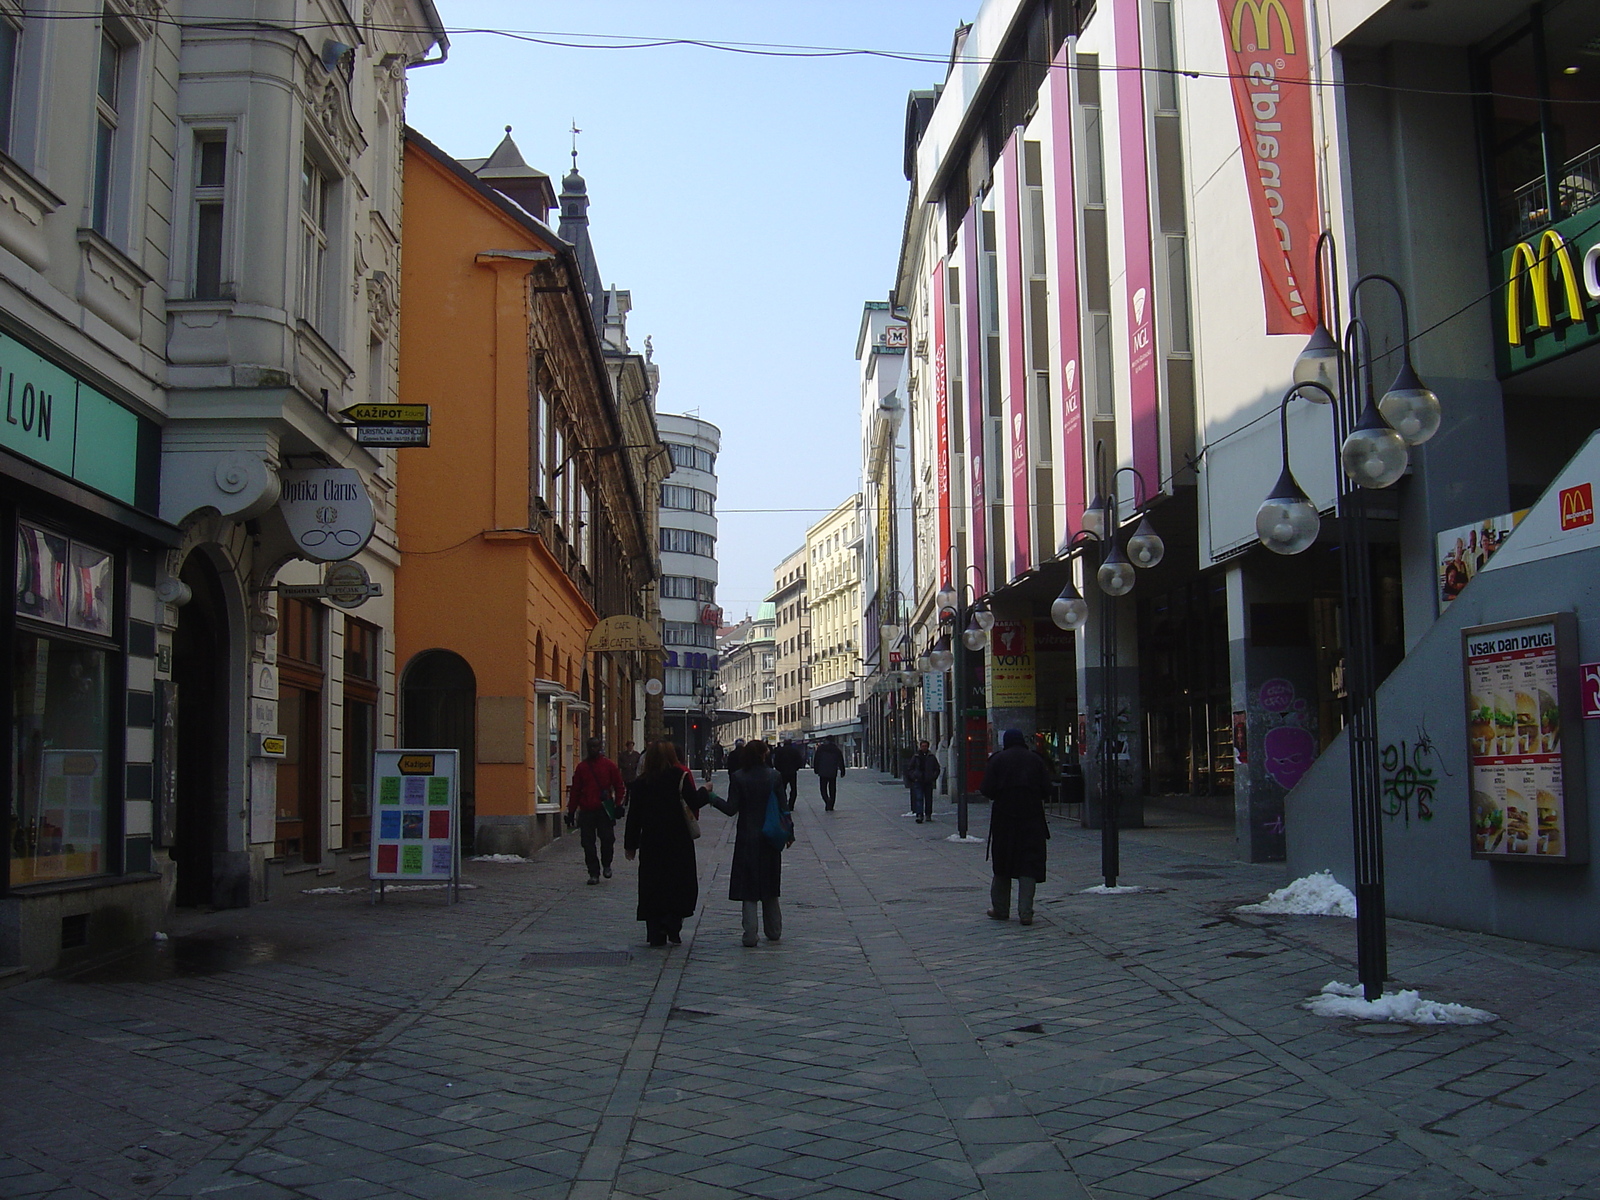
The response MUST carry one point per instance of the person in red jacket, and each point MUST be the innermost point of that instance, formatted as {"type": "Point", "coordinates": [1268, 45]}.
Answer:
{"type": "Point", "coordinates": [597, 798]}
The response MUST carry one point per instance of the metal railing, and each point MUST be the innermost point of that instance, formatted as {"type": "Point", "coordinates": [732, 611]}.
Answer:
{"type": "Point", "coordinates": [1578, 188]}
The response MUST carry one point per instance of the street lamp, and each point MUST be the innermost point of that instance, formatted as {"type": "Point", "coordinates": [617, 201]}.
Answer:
{"type": "Point", "coordinates": [1372, 442]}
{"type": "Point", "coordinates": [972, 605]}
{"type": "Point", "coordinates": [1116, 576]}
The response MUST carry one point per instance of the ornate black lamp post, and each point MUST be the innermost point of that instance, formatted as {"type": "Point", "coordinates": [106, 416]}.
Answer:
{"type": "Point", "coordinates": [969, 608]}
{"type": "Point", "coordinates": [1069, 610]}
{"type": "Point", "coordinates": [1372, 441]}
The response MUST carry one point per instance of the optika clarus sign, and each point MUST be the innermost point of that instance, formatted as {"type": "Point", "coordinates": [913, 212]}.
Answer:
{"type": "Point", "coordinates": [1269, 61]}
{"type": "Point", "coordinates": [328, 512]}
{"type": "Point", "coordinates": [1551, 299]}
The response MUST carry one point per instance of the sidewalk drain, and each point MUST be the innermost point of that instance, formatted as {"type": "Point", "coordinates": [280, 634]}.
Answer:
{"type": "Point", "coordinates": [577, 958]}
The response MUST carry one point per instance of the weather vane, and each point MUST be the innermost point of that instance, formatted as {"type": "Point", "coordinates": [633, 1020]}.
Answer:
{"type": "Point", "coordinates": [575, 132]}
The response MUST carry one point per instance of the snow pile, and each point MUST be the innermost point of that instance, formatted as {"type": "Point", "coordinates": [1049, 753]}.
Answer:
{"type": "Point", "coordinates": [1101, 889]}
{"type": "Point", "coordinates": [500, 858]}
{"type": "Point", "coordinates": [1319, 895]}
{"type": "Point", "coordinates": [956, 837]}
{"type": "Point", "coordinates": [1408, 1007]}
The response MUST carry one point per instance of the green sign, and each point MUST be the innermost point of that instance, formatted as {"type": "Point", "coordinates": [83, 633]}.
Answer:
{"type": "Point", "coordinates": [1550, 297]}
{"type": "Point", "coordinates": [54, 419]}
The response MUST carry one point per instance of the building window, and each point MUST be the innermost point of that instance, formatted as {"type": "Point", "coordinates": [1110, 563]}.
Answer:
{"type": "Point", "coordinates": [300, 722]}
{"type": "Point", "coordinates": [62, 727]}
{"type": "Point", "coordinates": [685, 587]}
{"type": "Point", "coordinates": [692, 457]}
{"type": "Point", "coordinates": [687, 499]}
{"type": "Point", "coordinates": [108, 98]}
{"type": "Point", "coordinates": [314, 189]}
{"type": "Point", "coordinates": [360, 727]}
{"type": "Point", "coordinates": [688, 541]}
{"type": "Point", "coordinates": [10, 39]}
{"type": "Point", "coordinates": [683, 633]}
{"type": "Point", "coordinates": [211, 177]}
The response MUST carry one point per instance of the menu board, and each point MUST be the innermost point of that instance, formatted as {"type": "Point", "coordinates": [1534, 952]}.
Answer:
{"type": "Point", "coordinates": [1521, 689]}
{"type": "Point", "coordinates": [414, 829]}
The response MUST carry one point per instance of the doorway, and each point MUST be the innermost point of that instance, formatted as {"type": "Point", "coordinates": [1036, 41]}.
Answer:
{"type": "Point", "coordinates": [438, 705]}
{"type": "Point", "coordinates": [199, 672]}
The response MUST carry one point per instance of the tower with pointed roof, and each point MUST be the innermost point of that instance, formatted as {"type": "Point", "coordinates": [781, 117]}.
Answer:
{"type": "Point", "coordinates": [574, 230]}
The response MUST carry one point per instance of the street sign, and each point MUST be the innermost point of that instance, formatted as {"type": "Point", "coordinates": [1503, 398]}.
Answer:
{"type": "Point", "coordinates": [404, 414]}
{"type": "Point", "coordinates": [346, 584]}
{"type": "Point", "coordinates": [392, 435]}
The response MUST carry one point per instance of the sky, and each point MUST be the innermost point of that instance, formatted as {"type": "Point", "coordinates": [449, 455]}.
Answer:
{"type": "Point", "coordinates": [750, 203]}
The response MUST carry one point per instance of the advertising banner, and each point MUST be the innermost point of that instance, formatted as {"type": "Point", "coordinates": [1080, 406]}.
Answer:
{"type": "Point", "coordinates": [1550, 305]}
{"type": "Point", "coordinates": [941, 417]}
{"type": "Point", "coordinates": [1013, 333]}
{"type": "Point", "coordinates": [1143, 388]}
{"type": "Point", "coordinates": [1269, 60]}
{"type": "Point", "coordinates": [972, 385]}
{"type": "Point", "coordinates": [933, 698]}
{"type": "Point", "coordinates": [1467, 549]}
{"type": "Point", "coordinates": [1011, 675]}
{"type": "Point", "coordinates": [415, 834]}
{"type": "Point", "coordinates": [1522, 691]}
{"type": "Point", "coordinates": [1073, 455]}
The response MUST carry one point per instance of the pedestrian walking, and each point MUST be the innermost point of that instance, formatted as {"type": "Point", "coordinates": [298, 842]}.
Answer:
{"type": "Point", "coordinates": [788, 758]}
{"type": "Point", "coordinates": [922, 772]}
{"type": "Point", "coordinates": [828, 762]}
{"type": "Point", "coordinates": [661, 804]}
{"type": "Point", "coordinates": [595, 800]}
{"type": "Point", "coordinates": [1016, 783]}
{"type": "Point", "coordinates": [628, 763]}
{"type": "Point", "coordinates": [757, 870]}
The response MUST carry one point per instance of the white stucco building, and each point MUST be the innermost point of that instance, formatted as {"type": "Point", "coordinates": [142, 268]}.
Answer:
{"type": "Point", "coordinates": [689, 612]}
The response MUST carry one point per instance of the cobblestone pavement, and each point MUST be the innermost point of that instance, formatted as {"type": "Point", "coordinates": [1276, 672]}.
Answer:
{"type": "Point", "coordinates": [896, 1043]}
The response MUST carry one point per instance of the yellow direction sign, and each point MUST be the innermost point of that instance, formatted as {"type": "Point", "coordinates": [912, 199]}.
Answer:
{"type": "Point", "coordinates": [388, 413]}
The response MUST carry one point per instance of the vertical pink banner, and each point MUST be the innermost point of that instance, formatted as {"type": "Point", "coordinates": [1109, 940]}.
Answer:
{"type": "Point", "coordinates": [972, 383]}
{"type": "Point", "coordinates": [941, 420]}
{"type": "Point", "coordinates": [1066, 284]}
{"type": "Point", "coordinates": [1013, 332]}
{"type": "Point", "coordinates": [1143, 389]}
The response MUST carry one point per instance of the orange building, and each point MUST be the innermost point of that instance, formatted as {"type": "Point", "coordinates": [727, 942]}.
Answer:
{"type": "Point", "coordinates": [529, 518]}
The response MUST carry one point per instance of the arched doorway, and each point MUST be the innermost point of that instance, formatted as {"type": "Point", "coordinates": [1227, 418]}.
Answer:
{"type": "Point", "coordinates": [438, 707]}
{"type": "Point", "coordinates": [200, 673]}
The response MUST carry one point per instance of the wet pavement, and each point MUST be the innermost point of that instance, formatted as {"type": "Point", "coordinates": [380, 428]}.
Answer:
{"type": "Point", "coordinates": [896, 1042]}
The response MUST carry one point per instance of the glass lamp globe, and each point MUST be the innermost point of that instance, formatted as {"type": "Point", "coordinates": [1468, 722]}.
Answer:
{"type": "Point", "coordinates": [1145, 547]}
{"type": "Point", "coordinates": [1411, 407]}
{"type": "Point", "coordinates": [1069, 610]}
{"type": "Point", "coordinates": [946, 600]}
{"type": "Point", "coordinates": [1115, 574]}
{"type": "Point", "coordinates": [1374, 455]}
{"type": "Point", "coordinates": [975, 635]}
{"type": "Point", "coordinates": [889, 632]}
{"type": "Point", "coordinates": [1319, 363]}
{"type": "Point", "coordinates": [924, 664]}
{"type": "Point", "coordinates": [941, 657]}
{"type": "Point", "coordinates": [984, 618]}
{"type": "Point", "coordinates": [1287, 521]}
{"type": "Point", "coordinates": [1094, 517]}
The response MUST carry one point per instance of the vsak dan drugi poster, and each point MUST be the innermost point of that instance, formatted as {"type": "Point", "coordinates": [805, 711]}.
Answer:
{"type": "Point", "coordinates": [1521, 681]}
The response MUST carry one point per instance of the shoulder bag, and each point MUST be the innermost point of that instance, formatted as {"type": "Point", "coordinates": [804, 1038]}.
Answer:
{"type": "Point", "coordinates": [778, 826]}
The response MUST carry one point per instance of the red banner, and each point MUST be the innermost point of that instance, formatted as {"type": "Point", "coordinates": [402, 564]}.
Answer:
{"type": "Point", "coordinates": [1016, 377]}
{"type": "Point", "coordinates": [941, 418]}
{"type": "Point", "coordinates": [1139, 281]}
{"type": "Point", "coordinates": [1269, 58]}
{"type": "Point", "coordinates": [1066, 207]}
{"type": "Point", "coordinates": [972, 386]}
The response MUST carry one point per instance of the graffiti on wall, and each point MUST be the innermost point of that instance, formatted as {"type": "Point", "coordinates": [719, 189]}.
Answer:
{"type": "Point", "coordinates": [1409, 777]}
{"type": "Point", "coordinates": [1289, 740]}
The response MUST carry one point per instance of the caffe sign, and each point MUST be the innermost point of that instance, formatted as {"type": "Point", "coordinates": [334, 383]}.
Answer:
{"type": "Point", "coordinates": [328, 512]}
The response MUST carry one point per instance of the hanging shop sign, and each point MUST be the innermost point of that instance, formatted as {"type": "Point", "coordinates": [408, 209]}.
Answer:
{"type": "Point", "coordinates": [1550, 305]}
{"type": "Point", "coordinates": [345, 584]}
{"type": "Point", "coordinates": [416, 835]}
{"type": "Point", "coordinates": [52, 418]}
{"type": "Point", "coordinates": [328, 512]}
{"type": "Point", "coordinates": [1523, 689]}
{"type": "Point", "coordinates": [394, 425]}
{"type": "Point", "coordinates": [1011, 670]}
{"type": "Point", "coordinates": [1269, 61]}
{"type": "Point", "coordinates": [623, 632]}
{"type": "Point", "coordinates": [933, 698]}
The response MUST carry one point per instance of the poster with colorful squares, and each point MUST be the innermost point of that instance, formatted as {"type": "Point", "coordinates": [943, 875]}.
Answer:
{"type": "Point", "coordinates": [416, 837]}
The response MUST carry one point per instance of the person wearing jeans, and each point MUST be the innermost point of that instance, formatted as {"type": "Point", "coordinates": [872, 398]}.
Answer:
{"type": "Point", "coordinates": [1016, 782]}
{"type": "Point", "coordinates": [756, 876]}
{"type": "Point", "coordinates": [596, 800]}
{"type": "Point", "coordinates": [922, 772]}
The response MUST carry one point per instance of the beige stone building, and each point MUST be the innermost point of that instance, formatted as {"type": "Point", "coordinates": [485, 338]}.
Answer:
{"type": "Point", "coordinates": [833, 559]}
{"type": "Point", "coordinates": [792, 639]}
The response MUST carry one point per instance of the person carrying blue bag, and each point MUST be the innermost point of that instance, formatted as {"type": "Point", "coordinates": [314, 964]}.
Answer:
{"type": "Point", "coordinates": [764, 829]}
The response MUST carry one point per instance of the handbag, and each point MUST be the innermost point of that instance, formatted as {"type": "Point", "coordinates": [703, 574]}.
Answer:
{"type": "Point", "coordinates": [778, 827]}
{"type": "Point", "coordinates": [692, 821]}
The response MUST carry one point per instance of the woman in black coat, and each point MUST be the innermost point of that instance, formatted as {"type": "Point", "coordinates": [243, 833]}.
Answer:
{"type": "Point", "coordinates": [1016, 781]}
{"type": "Point", "coordinates": [657, 830]}
{"type": "Point", "coordinates": [757, 865]}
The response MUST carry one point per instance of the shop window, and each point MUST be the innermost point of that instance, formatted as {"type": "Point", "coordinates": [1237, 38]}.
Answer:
{"type": "Point", "coordinates": [360, 727]}
{"type": "Point", "coordinates": [301, 820]}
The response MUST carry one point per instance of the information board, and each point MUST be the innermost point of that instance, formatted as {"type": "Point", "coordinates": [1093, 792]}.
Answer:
{"type": "Point", "coordinates": [1522, 694]}
{"type": "Point", "coordinates": [416, 817]}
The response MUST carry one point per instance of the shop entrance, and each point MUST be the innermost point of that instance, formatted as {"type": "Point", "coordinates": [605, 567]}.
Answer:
{"type": "Point", "coordinates": [199, 671]}
{"type": "Point", "coordinates": [438, 702]}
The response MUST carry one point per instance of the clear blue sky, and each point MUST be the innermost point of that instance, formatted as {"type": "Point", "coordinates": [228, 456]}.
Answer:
{"type": "Point", "coordinates": [751, 204]}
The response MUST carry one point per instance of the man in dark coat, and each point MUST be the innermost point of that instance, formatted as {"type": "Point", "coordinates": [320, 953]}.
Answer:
{"type": "Point", "coordinates": [922, 772]}
{"type": "Point", "coordinates": [827, 760]}
{"type": "Point", "coordinates": [1016, 782]}
{"type": "Point", "coordinates": [787, 759]}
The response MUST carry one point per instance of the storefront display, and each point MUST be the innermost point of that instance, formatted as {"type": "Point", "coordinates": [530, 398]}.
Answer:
{"type": "Point", "coordinates": [416, 836]}
{"type": "Point", "coordinates": [1528, 798]}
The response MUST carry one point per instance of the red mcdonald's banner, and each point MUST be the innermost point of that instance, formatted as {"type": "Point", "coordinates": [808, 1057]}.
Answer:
{"type": "Point", "coordinates": [1269, 58]}
{"type": "Point", "coordinates": [941, 419]}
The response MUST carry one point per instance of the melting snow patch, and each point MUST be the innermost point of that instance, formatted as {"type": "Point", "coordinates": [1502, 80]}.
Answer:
{"type": "Point", "coordinates": [1101, 889]}
{"type": "Point", "coordinates": [956, 837]}
{"type": "Point", "coordinates": [500, 858]}
{"type": "Point", "coordinates": [1319, 895]}
{"type": "Point", "coordinates": [1344, 1000]}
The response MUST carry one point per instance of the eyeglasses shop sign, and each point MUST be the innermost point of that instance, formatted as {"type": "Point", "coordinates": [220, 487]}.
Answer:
{"type": "Point", "coordinates": [328, 512]}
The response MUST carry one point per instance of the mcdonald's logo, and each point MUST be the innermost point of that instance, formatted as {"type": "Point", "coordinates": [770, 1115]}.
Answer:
{"type": "Point", "coordinates": [1534, 269]}
{"type": "Point", "coordinates": [1577, 506]}
{"type": "Point", "coordinates": [1261, 10]}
